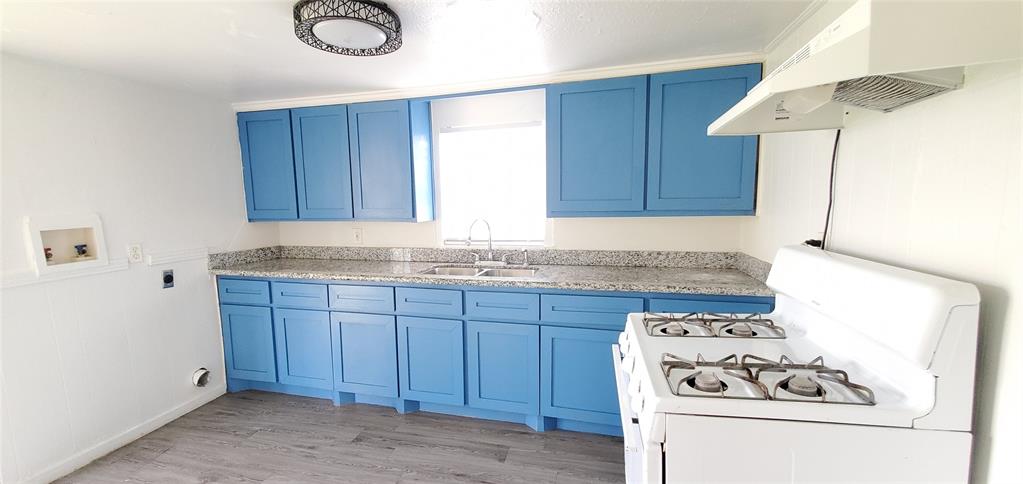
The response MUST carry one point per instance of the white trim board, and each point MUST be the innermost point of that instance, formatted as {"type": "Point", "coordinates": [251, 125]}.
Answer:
{"type": "Point", "coordinates": [28, 277]}
{"type": "Point", "coordinates": [507, 83]}
{"type": "Point", "coordinates": [84, 457]}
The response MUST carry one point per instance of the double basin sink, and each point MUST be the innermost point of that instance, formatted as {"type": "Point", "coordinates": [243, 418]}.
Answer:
{"type": "Point", "coordinates": [477, 271]}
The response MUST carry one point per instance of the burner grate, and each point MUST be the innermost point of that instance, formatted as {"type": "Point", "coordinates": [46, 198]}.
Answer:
{"type": "Point", "coordinates": [709, 325]}
{"type": "Point", "coordinates": [756, 378]}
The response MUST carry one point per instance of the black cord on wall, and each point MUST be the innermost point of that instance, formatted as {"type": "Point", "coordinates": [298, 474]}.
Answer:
{"type": "Point", "coordinates": [820, 244]}
{"type": "Point", "coordinates": [831, 191]}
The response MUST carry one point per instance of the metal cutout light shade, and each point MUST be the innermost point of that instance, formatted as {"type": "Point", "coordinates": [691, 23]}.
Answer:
{"type": "Point", "coordinates": [308, 13]}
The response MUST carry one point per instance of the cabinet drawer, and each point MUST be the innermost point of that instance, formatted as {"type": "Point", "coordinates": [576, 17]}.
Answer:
{"type": "Point", "coordinates": [440, 302]}
{"type": "Point", "coordinates": [290, 294]}
{"type": "Point", "coordinates": [684, 306]}
{"type": "Point", "coordinates": [362, 298]}
{"type": "Point", "coordinates": [502, 305]}
{"type": "Point", "coordinates": [239, 291]}
{"type": "Point", "coordinates": [591, 311]}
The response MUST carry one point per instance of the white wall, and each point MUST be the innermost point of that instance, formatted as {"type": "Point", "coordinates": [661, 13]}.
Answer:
{"type": "Point", "coordinates": [933, 187]}
{"type": "Point", "coordinates": [90, 363]}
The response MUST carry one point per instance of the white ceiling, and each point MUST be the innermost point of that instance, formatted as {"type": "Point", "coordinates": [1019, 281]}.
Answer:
{"type": "Point", "coordinates": [247, 51]}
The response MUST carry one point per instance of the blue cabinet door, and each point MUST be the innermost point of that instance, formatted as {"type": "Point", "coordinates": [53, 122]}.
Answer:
{"type": "Point", "coordinates": [688, 170]}
{"type": "Point", "coordinates": [577, 379]}
{"type": "Point", "coordinates": [365, 354]}
{"type": "Point", "coordinates": [303, 348]}
{"type": "Point", "coordinates": [430, 360]}
{"type": "Point", "coordinates": [596, 146]}
{"type": "Point", "coordinates": [268, 165]}
{"type": "Point", "coordinates": [381, 154]}
{"type": "Point", "coordinates": [322, 167]}
{"type": "Point", "coordinates": [503, 366]}
{"type": "Point", "coordinates": [248, 343]}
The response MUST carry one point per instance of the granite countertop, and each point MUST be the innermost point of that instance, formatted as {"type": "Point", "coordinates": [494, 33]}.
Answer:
{"type": "Point", "coordinates": [714, 281]}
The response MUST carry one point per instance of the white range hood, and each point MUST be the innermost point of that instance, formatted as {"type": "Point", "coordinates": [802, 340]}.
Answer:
{"type": "Point", "coordinates": [881, 55]}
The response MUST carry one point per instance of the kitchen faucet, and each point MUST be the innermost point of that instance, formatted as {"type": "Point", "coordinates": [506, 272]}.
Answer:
{"type": "Point", "coordinates": [490, 240]}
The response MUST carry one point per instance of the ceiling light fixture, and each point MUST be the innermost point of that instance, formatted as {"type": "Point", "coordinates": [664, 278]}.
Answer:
{"type": "Point", "coordinates": [348, 27]}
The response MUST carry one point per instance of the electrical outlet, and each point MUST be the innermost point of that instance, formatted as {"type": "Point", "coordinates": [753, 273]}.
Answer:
{"type": "Point", "coordinates": [135, 253]}
{"type": "Point", "coordinates": [357, 236]}
{"type": "Point", "coordinates": [168, 279]}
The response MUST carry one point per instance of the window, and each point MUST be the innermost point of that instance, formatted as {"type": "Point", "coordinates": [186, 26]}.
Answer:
{"type": "Point", "coordinates": [491, 164]}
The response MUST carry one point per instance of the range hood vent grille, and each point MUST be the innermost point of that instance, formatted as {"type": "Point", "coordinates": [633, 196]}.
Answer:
{"type": "Point", "coordinates": [794, 59]}
{"type": "Point", "coordinates": [885, 93]}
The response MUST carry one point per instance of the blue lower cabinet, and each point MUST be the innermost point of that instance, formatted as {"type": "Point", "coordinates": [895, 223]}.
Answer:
{"type": "Point", "coordinates": [503, 366]}
{"type": "Point", "coordinates": [248, 343]}
{"type": "Point", "coordinates": [370, 299]}
{"type": "Point", "coordinates": [577, 379]}
{"type": "Point", "coordinates": [428, 302]}
{"type": "Point", "coordinates": [243, 291]}
{"type": "Point", "coordinates": [600, 312]}
{"type": "Point", "coordinates": [303, 348]}
{"type": "Point", "coordinates": [365, 354]}
{"type": "Point", "coordinates": [294, 295]}
{"type": "Point", "coordinates": [430, 360]}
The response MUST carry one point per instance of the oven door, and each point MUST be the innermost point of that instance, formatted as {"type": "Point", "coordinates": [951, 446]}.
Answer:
{"type": "Point", "coordinates": [641, 466]}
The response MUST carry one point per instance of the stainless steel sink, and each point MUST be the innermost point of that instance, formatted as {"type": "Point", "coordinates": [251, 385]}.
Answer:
{"type": "Point", "coordinates": [480, 271]}
{"type": "Point", "coordinates": [453, 271]}
{"type": "Point", "coordinates": [508, 273]}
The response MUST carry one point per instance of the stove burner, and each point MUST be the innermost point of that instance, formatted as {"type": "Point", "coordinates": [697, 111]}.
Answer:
{"type": "Point", "coordinates": [807, 382]}
{"type": "Point", "coordinates": [802, 385]}
{"type": "Point", "coordinates": [741, 330]}
{"type": "Point", "coordinates": [707, 382]}
{"type": "Point", "coordinates": [756, 378]}
{"type": "Point", "coordinates": [712, 325]}
{"type": "Point", "coordinates": [673, 330]}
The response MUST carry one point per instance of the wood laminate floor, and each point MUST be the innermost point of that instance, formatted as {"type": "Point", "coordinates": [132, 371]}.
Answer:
{"type": "Point", "coordinates": [273, 438]}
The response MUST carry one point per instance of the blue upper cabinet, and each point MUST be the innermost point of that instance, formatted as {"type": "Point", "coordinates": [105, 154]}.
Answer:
{"type": "Point", "coordinates": [368, 161]}
{"type": "Point", "coordinates": [384, 173]}
{"type": "Point", "coordinates": [690, 173]}
{"type": "Point", "coordinates": [596, 143]}
{"type": "Point", "coordinates": [322, 167]}
{"type": "Point", "coordinates": [267, 165]}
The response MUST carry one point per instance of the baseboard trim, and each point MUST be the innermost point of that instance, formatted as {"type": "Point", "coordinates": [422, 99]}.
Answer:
{"type": "Point", "coordinates": [84, 457]}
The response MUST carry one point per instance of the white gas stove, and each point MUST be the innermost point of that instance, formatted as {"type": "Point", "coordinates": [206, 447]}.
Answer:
{"type": "Point", "coordinates": [864, 372]}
